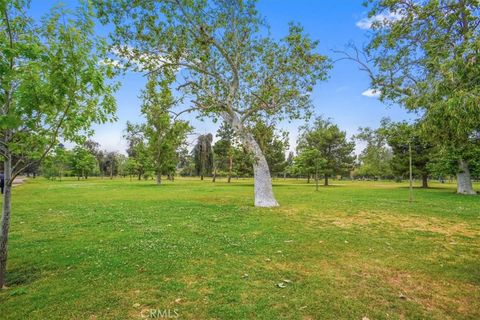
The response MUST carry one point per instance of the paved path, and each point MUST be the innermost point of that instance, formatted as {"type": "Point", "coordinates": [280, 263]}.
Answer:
{"type": "Point", "coordinates": [19, 180]}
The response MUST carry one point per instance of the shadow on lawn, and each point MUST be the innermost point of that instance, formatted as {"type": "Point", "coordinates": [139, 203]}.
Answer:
{"type": "Point", "coordinates": [22, 276]}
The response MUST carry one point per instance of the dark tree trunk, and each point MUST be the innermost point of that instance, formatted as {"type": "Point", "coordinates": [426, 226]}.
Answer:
{"type": "Point", "coordinates": [6, 212]}
{"type": "Point", "coordinates": [325, 183]}
{"type": "Point", "coordinates": [425, 181]}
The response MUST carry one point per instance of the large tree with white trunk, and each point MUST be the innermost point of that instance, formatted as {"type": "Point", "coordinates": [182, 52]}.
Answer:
{"type": "Point", "coordinates": [225, 60]}
{"type": "Point", "coordinates": [425, 56]}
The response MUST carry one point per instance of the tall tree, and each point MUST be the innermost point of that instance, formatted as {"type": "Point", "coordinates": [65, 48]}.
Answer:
{"type": "Point", "coordinates": [224, 149]}
{"type": "Point", "coordinates": [229, 64]}
{"type": "Point", "coordinates": [332, 145]}
{"type": "Point", "coordinates": [138, 149]}
{"type": "Point", "coordinates": [426, 59]}
{"type": "Point", "coordinates": [164, 135]}
{"type": "Point", "coordinates": [203, 155]}
{"type": "Point", "coordinates": [52, 85]}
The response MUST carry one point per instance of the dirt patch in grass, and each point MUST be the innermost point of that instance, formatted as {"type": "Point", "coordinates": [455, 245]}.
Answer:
{"type": "Point", "coordinates": [433, 295]}
{"type": "Point", "coordinates": [415, 223]}
{"type": "Point", "coordinates": [382, 220]}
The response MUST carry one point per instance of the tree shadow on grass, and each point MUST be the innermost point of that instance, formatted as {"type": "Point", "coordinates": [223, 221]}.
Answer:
{"type": "Point", "coordinates": [22, 276]}
{"type": "Point", "coordinates": [429, 188]}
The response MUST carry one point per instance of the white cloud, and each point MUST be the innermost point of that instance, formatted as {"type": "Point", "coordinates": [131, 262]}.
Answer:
{"type": "Point", "coordinates": [371, 93]}
{"type": "Point", "coordinates": [366, 23]}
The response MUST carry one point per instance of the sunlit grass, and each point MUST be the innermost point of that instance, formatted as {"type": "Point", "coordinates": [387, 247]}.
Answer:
{"type": "Point", "coordinates": [110, 249]}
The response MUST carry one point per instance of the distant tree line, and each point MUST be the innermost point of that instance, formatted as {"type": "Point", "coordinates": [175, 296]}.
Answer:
{"type": "Point", "coordinates": [323, 152]}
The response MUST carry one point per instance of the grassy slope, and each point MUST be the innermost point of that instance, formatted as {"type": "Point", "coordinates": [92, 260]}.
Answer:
{"type": "Point", "coordinates": [109, 249]}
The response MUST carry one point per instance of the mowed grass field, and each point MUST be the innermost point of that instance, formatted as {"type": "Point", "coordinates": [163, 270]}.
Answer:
{"type": "Point", "coordinates": [115, 249]}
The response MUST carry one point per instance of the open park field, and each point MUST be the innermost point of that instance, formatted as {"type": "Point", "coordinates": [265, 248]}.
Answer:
{"type": "Point", "coordinates": [115, 249]}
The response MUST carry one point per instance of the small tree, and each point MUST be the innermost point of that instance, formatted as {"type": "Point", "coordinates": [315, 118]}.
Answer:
{"type": "Point", "coordinates": [400, 137]}
{"type": "Point", "coordinates": [332, 145]}
{"type": "Point", "coordinates": [52, 85]}
{"type": "Point", "coordinates": [375, 158]}
{"type": "Point", "coordinates": [310, 161]}
{"type": "Point", "coordinates": [94, 148]}
{"type": "Point", "coordinates": [138, 149]}
{"type": "Point", "coordinates": [82, 162]}
{"type": "Point", "coordinates": [122, 165]}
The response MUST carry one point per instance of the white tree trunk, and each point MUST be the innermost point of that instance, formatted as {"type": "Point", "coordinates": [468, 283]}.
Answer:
{"type": "Point", "coordinates": [464, 181]}
{"type": "Point", "coordinates": [263, 191]}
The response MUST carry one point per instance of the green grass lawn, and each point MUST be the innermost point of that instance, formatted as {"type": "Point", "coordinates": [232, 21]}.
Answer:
{"type": "Point", "coordinates": [103, 249]}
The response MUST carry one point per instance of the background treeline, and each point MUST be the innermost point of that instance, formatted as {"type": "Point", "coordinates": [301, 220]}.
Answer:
{"type": "Point", "coordinates": [323, 152]}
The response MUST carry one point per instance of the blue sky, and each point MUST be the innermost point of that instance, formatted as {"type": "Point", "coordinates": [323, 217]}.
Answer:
{"type": "Point", "coordinates": [334, 22]}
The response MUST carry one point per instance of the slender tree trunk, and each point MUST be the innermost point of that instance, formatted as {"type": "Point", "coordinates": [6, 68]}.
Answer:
{"type": "Point", "coordinates": [230, 167]}
{"type": "Point", "coordinates": [6, 212]}
{"type": "Point", "coordinates": [425, 181]}
{"type": "Point", "coordinates": [308, 178]}
{"type": "Point", "coordinates": [410, 187]}
{"type": "Point", "coordinates": [464, 180]}
{"type": "Point", "coordinates": [325, 183]}
{"type": "Point", "coordinates": [214, 174]}
{"type": "Point", "coordinates": [159, 178]}
{"type": "Point", "coordinates": [316, 180]}
{"type": "Point", "coordinates": [139, 176]}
